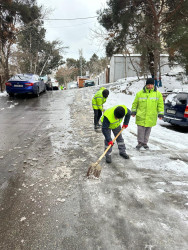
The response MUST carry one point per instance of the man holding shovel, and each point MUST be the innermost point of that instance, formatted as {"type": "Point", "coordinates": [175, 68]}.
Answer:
{"type": "Point", "coordinates": [97, 103]}
{"type": "Point", "coordinates": [111, 120]}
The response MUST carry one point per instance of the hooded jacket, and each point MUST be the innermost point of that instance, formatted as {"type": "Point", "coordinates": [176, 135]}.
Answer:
{"type": "Point", "coordinates": [147, 105]}
{"type": "Point", "coordinates": [98, 99]}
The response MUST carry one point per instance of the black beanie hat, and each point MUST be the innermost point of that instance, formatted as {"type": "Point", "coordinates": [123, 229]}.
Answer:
{"type": "Point", "coordinates": [119, 112]}
{"type": "Point", "coordinates": [150, 81]}
{"type": "Point", "coordinates": [105, 93]}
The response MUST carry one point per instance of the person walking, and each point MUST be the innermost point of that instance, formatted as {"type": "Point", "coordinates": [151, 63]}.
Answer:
{"type": "Point", "coordinates": [97, 103]}
{"type": "Point", "coordinates": [111, 121]}
{"type": "Point", "coordinates": [147, 106]}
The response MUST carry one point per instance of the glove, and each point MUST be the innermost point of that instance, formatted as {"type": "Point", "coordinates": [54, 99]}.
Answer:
{"type": "Point", "coordinates": [124, 126]}
{"type": "Point", "coordinates": [110, 143]}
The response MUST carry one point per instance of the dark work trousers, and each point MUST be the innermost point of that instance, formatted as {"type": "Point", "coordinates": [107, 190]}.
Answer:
{"type": "Point", "coordinates": [120, 141]}
{"type": "Point", "coordinates": [97, 116]}
{"type": "Point", "coordinates": [143, 134]}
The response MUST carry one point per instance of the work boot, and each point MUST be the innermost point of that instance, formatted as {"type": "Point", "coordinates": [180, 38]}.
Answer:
{"type": "Point", "coordinates": [108, 159]}
{"type": "Point", "coordinates": [145, 146]}
{"type": "Point", "coordinates": [124, 155]}
{"type": "Point", "coordinates": [96, 127]}
{"type": "Point", "coordinates": [138, 147]}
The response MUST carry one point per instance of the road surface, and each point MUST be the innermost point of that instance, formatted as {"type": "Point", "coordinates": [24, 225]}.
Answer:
{"type": "Point", "coordinates": [46, 201]}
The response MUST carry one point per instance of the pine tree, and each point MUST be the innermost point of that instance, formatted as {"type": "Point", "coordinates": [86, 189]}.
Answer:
{"type": "Point", "coordinates": [139, 24]}
{"type": "Point", "coordinates": [13, 14]}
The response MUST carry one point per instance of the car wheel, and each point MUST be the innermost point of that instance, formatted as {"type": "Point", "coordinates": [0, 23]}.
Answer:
{"type": "Point", "coordinates": [11, 94]}
{"type": "Point", "coordinates": [37, 92]}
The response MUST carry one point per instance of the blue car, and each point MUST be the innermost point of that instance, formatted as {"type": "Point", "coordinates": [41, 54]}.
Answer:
{"type": "Point", "coordinates": [176, 108]}
{"type": "Point", "coordinates": [25, 84]}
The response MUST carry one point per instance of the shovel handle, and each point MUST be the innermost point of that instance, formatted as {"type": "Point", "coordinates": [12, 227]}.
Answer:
{"type": "Point", "coordinates": [110, 145]}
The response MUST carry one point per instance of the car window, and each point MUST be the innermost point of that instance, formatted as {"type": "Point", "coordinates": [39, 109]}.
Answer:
{"type": "Point", "coordinates": [20, 77]}
{"type": "Point", "coordinates": [177, 99]}
{"type": "Point", "coordinates": [36, 78]}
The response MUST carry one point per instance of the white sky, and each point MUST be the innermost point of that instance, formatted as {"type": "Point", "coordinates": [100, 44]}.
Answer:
{"type": "Point", "coordinates": [74, 34]}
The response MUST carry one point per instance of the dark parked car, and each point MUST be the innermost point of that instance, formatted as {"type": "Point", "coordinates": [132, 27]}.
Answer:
{"type": "Point", "coordinates": [25, 83]}
{"type": "Point", "coordinates": [176, 108]}
{"type": "Point", "coordinates": [89, 83]}
{"type": "Point", "coordinates": [49, 85]}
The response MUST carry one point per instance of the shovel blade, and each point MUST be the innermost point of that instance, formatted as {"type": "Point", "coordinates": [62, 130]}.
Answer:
{"type": "Point", "coordinates": [94, 169]}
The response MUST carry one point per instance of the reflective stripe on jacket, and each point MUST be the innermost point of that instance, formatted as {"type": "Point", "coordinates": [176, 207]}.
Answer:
{"type": "Point", "coordinates": [147, 105]}
{"type": "Point", "coordinates": [98, 100]}
{"type": "Point", "coordinates": [109, 113]}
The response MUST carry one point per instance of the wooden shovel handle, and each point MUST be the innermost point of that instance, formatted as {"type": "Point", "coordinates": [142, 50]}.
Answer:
{"type": "Point", "coordinates": [110, 146]}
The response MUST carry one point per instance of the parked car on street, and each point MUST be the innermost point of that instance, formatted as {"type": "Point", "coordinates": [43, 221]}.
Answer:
{"type": "Point", "coordinates": [49, 84]}
{"type": "Point", "coordinates": [89, 83]}
{"type": "Point", "coordinates": [55, 84]}
{"type": "Point", "coordinates": [25, 84]}
{"type": "Point", "coordinates": [47, 81]}
{"type": "Point", "coordinates": [176, 108]}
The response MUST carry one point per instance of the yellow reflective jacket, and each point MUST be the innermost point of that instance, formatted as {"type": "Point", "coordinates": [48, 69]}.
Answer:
{"type": "Point", "coordinates": [98, 99]}
{"type": "Point", "coordinates": [147, 105]}
{"type": "Point", "coordinates": [109, 113]}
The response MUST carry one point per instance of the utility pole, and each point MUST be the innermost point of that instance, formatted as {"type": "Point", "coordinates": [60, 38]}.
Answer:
{"type": "Point", "coordinates": [80, 53]}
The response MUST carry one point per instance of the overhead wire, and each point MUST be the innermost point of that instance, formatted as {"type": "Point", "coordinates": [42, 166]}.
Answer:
{"type": "Point", "coordinates": [70, 25]}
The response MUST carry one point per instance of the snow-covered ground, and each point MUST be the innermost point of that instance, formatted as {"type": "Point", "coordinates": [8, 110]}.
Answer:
{"type": "Point", "coordinates": [161, 136]}
{"type": "Point", "coordinates": [123, 92]}
{"type": "Point", "coordinates": [140, 203]}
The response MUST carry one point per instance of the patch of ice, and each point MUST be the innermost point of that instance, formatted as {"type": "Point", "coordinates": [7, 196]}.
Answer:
{"type": "Point", "coordinates": [62, 172]}
{"type": "Point", "coordinates": [23, 218]}
{"type": "Point", "coordinates": [60, 200]}
{"type": "Point", "coordinates": [11, 106]}
{"type": "Point", "coordinates": [180, 167]}
{"type": "Point", "coordinates": [160, 190]}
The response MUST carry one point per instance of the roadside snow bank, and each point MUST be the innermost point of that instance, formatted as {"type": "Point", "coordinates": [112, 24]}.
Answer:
{"type": "Point", "coordinates": [132, 85]}
{"type": "Point", "coordinates": [3, 94]}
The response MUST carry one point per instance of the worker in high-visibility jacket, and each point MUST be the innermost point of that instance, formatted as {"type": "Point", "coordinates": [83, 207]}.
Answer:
{"type": "Point", "coordinates": [111, 120]}
{"type": "Point", "coordinates": [147, 106]}
{"type": "Point", "coordinates": [97, 103]}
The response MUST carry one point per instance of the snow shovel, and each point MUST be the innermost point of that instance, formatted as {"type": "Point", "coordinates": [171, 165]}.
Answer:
{"type": "Point", "coordinates": [95, 168]}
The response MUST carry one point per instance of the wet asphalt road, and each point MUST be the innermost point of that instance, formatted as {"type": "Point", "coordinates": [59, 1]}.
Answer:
{"type": "Point", "coordinates": [46, 202]}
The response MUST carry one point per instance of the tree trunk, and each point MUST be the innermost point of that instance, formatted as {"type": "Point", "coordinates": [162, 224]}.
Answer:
{"type": "Point", "coordinates": [36, 62]}
{"type": "Point", "coordinates": [44, 65]}
{"type": "Point", "coordinates": [5, 66]}
{"type": "Point", "coordinates": [157, 52]}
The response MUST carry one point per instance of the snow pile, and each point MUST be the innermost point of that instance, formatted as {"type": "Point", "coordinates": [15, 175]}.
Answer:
{"type": "Point", "coordinates": [132, 85]}
{"type": "Point", "coordinates": [171, 99]}
{"type": "Point", "coordinates": [3, 94]}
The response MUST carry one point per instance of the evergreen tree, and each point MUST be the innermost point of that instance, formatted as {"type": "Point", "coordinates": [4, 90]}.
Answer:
{"type": "Point", "coordinates": [31, 43]}
{"type": "Point", "coordinates": [13, 14]}
{"type": "Point", "coordinates": [139, 24]}
{"type": "Point", "coordinates": [176, 36]}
